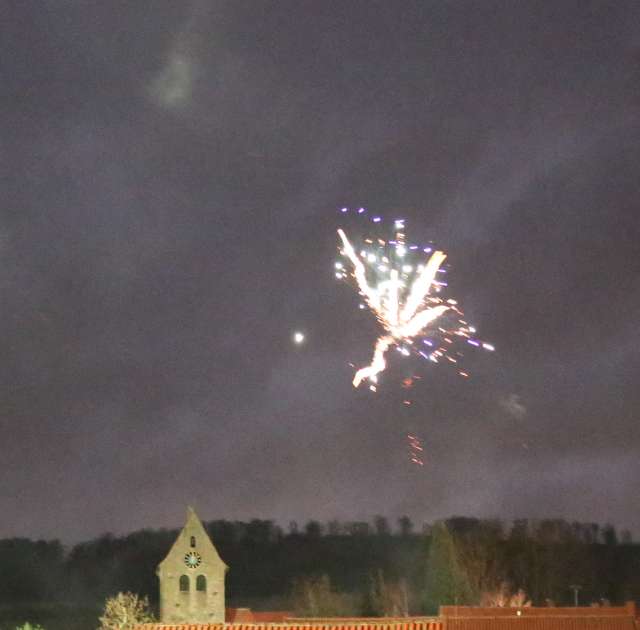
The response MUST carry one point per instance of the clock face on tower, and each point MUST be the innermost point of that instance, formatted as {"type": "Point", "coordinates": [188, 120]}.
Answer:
{"type": "Point", "coordinates": [192, 559]}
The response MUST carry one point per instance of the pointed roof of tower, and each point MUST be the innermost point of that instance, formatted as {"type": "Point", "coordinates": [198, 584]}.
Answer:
{"type": "Point", "coordinates": [194, 527]}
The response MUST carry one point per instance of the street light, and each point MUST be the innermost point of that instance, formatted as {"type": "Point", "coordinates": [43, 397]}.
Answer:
{"type": "Point", "coordinates": [575, 588]}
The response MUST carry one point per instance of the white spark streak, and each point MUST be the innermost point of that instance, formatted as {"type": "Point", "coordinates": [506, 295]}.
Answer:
{"type": "Point", "coordinates": [421, 286]}
{"type": "Point", "coordinates": [359, 272]}
{"type": "Point", "coordinates": [377, 363]}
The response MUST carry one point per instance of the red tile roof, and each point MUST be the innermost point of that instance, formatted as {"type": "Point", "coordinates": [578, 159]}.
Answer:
{"type": "Point", "coordinates": [246, 615]}
{"type": "Point", "coordinates": [238, 615]}
{"type": "Point", "coordinates": [270, 617]}
{"type": "Point", "coordinates": [536, 622]}
{"type": "Point", "coordinates": [539, 618]}
{"type": "Point", "coordinates": [311, 624]}
{"type": "Point", "coordinates": [451, 618]}
{"type": "Point", "coordinates": [628, 610]}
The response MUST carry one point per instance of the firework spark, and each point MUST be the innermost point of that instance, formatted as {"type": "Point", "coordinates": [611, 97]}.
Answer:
{"type": "Point", "coordinates": [401, 322]}
{"type": "Point", "coordinates": [405, 298]}
{"type": "Point", "coordinates": [416, 449]}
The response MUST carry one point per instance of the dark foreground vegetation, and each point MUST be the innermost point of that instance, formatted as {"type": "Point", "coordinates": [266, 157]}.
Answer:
{"type": "Point", "coordinates": [337, 568]}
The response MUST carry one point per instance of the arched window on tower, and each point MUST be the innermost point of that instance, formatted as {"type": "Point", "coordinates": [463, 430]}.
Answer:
{"type": "Point", "coordinates": [193, 541]}
{"type": "Point", "coordinates": [184, 583]}
{"type": "Point", "coordinates": [201, 583]}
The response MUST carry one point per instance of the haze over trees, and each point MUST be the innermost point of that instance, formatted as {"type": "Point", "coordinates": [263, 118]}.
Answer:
{"type": "Point", "coordinates": [337, 568]}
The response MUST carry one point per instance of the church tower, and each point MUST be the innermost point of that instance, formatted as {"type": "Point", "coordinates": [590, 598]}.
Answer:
{"type": "Point", "coordinates": [192, 578]}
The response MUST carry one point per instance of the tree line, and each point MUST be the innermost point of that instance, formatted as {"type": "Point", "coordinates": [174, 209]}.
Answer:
{"type": "Point", "coordinates": [355, 568]}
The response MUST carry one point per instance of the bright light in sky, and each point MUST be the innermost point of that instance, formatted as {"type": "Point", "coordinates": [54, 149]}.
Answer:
{"type": "Point", "coordinates": [298, 337]}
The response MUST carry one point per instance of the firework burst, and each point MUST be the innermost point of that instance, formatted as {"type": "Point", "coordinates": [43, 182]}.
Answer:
{"type": "Point", "coordinates": [400, 286]}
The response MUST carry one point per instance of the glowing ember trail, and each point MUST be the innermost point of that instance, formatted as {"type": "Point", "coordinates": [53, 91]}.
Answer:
{"type": "Point", "coordinates": [416, 450]}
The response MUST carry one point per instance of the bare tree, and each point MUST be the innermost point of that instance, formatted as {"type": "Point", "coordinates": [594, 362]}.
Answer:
{"type": "Point", "coordinates": [388, 599]}
{"type": "Point", "coordinates": [124, 611]}
{"type": "Point", "coordinates": [503, 597]}
{"type": "Point", "coordinates": [314, 597]}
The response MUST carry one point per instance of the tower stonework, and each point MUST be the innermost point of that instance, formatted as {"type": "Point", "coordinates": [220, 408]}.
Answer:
{"type": "Point", "coordinates": [192, 578]}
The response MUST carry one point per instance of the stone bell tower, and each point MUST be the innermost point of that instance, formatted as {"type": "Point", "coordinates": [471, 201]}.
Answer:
{"type": "Point", "coordinates": [192, 578]}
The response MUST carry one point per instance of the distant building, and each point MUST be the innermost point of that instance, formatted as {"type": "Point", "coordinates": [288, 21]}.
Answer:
{"type": "Point", "coordinates": [192, 578]}
{"type": "Point", "coordinates": [472, 619]}
{"type": "Point", "coordinates": [450, 618]}
{"type": "Point", "coordinates": [539, 618]}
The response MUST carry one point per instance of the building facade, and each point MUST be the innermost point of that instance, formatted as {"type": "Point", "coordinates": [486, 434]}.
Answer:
{"type": "Point", "coordinates": [192, 578]}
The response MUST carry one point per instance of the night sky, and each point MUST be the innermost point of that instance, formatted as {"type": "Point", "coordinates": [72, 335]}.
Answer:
{"type": "Point", "coordinates": [171, 175]}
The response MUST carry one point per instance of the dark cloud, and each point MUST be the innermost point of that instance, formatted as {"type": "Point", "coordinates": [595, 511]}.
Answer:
{"type": "Point", "coordinates": [170, 179]}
